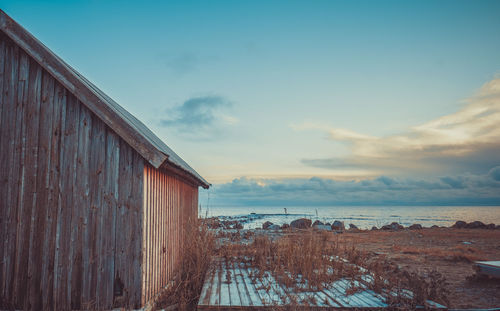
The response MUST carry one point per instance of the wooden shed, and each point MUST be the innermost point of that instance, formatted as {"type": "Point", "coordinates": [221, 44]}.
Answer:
{"type": "Point", "coordinates": [93, 204]}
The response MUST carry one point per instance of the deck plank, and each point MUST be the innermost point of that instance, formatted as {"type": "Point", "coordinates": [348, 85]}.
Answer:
{"type": "Point", "coordinates": [233, 287]}
{"type": "Point", "coordinates": [263, 294]}
{"type": "Point", "coordinates": [225, 293]}
{"type": "Point", "coordinates": [214, 293]}
{"type": "Point", "coordinates": [269, 281]}
{"type": "Point", "coordinates": [240, 286]}
{"type": "Point", "coordinates": [257, 299]}
{"type": "Point", "coordinates": [362, 296]}
{"type": "Point", "coordinates": [253, 295]}
{"type": "Point", "coordinates": [207, 287]}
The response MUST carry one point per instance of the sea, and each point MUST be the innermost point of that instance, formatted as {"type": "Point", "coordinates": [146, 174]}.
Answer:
{"type": "Point", "coordinates": [364, 217]}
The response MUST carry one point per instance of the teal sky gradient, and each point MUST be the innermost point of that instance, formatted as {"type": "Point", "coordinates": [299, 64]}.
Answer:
{"type": "Point", "coordinates": [271, 69]}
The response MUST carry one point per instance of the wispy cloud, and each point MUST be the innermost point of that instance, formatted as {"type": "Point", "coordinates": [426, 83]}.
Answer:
{"type": "Point", "coordinates": [383, 190]}
{"type": "Point", "coordinates": [468, 140]}
{"type": "Point", "coordinates": [200, 117]}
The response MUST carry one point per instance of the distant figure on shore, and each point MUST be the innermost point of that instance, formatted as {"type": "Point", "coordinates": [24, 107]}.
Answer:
{"type": "Point", "coordinates": [285, 211]}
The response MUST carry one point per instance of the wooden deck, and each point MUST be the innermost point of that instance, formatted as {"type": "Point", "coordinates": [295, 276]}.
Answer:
{"type": "Point", "coordinates": [233, 288]}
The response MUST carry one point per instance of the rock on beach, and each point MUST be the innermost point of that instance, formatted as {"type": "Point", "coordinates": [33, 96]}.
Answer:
{"type": "Point", "coordinates": [322, 227]}
{"type": "Point", "coordinates": [415, 227]}
{"type": "Point", "coordinates": [267, 224]}
{"type": "Point", "coordinates": [338, 226]}
{"type": "Point", "coordinates": [317, 223]}
{"type": "Point", "coordinates": [301, 223]}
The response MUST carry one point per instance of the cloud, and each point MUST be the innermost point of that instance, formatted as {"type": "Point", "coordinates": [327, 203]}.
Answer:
{"type": "Point", "coordinates": [494, 173]}
{"type": "Point", "coordinates": [479, 189]}
{"type": "Point", "coordinates": [200, 117]}
{"type": "Point", "coordinates": [467, 140]}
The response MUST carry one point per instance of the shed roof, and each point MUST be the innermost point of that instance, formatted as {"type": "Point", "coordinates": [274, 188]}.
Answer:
{"type": "Point", "coordinates": [128, 127]}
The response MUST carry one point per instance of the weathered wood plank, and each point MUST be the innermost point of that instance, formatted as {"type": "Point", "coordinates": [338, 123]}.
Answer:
{"type": "Point", "coordinates": [269, 281]}
{"type": "Point", "coordinates": [254, 294]}
{"type": "Point", "coordinates": [154, 236]}
{"type": "Point", "coordinates": [3, 217]}
{"type": "Point", "coordinates": [55, 197]}
{"type": "Point", "coordinates": [215, 293]}
{"type": "Point", "coordinates": [111, 181]}
{"type": "Point", "coordinates": [234, 292]}
{"type": "Point", "coordinates": [164, 224]}
{"type": "Point", "coordinates": [144, 261]}
{"type": "Point", "coordinates": [123, 221]}
{"type": "Point", "coordinates": [45, 226]}
{"type": "Point", "coordinates": [83, 203]}
{"type": "Point", "coordinates": [137, 219]}
{"type": "Point", "coordinates": [64, 212]}
{"type": "Point", "coordinates": [207, 286]}
{"type": "Point", "coordinates": [225, 293]}
{"type": "Point", "coordinates": [169, 228]}
{"type": "Point", "coordinates": [244, 295]}
{"type": "Point", "coordinates": [75, 248]}
{"type": "Point", "coordinates": [9, 173]}
{"type": "Point", "coordinates": [32, 123]}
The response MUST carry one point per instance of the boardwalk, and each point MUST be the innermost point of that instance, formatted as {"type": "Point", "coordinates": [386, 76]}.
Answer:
{"type": "Point", "coordinates": [232, 288]}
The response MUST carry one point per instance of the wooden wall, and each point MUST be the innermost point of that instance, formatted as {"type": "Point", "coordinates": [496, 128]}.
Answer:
{"type": "Point", "coordinates": [71, 199]}
{"type": "Point", "coordinates": [169, 205]}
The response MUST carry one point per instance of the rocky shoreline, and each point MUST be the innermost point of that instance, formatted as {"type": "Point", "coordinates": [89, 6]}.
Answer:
{"type": "Point", "coordinates": [228, 222]}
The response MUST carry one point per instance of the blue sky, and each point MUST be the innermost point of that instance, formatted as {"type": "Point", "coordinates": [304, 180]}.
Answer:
{"type": "Point", "coordinates": [261, 95]}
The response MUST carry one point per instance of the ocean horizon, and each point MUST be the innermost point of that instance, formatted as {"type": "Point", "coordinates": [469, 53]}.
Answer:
{"type": "Point", "coordinates": [363, 217]}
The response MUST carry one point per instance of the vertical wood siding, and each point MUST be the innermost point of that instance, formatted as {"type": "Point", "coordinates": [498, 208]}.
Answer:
{"type": "Point", "coordinates": [71, 198]}
{"type": "Point", "coordinates": [169, 205]}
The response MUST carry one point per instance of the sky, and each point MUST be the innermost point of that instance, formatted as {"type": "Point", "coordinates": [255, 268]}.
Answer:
{"type": "Point", "coordinates": [301, 102]}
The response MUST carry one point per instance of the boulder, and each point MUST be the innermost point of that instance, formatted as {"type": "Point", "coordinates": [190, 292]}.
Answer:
{"type": "Point", "coordinates": [434, 227]}
{"type": "Point", "coordinates": [459, 224]}
{"type": "Point", "coordinates": [475, 225]}
{"type": "Point", "coordinates": [386, 227]}
{"type": "Point", "coordinates": [396, 226]}
{"type": "Point", "coordinates": [415, 227]}
{"type": "Point", "coordinates": [274, 227]}
{"type": "Point", "coordinates": [322, 227]}
{"type": "Point", "coordinates": [353, 226]}
{"type": "Point", "coordinates": [285, 226]}
{"type": "Point", "coordinates": [338, 226]}
{"type": "Point", "coordinates": [267, 224]}
{"type": "Point", "coordinates": [302, 223]}
{"type": "Point", "coordinates": [490, 226]}
{"type": "Point", "coordinates": [238, 226]}
{"type": "Point", "coordinates": [374, 228]}
{"type": "Point", "coordinates": [317, 222]}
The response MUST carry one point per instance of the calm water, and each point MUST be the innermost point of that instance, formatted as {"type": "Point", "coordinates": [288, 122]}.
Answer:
{"type": "Point", "coordinates": [363, 216]}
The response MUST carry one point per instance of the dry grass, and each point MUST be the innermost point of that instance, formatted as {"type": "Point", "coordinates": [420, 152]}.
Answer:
{"type": "Point", "coordinates": [303, 261]}
{"type": "Point", "coordinates": [454, 254]}
{"type": "Point", "coordinates": [309, 260]}
{"type": "Point", "coordinates": [199, 248]}
{"type": "Point", "coordinates": [307, 256]}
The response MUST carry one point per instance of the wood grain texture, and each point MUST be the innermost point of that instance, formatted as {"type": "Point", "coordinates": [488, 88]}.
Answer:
{"type": "Point", "coordinates": [86, 221]}
{"type": "Point", "coordinates": [60, 173]}
{"type": "Point", "coordinates": [169, 204]}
